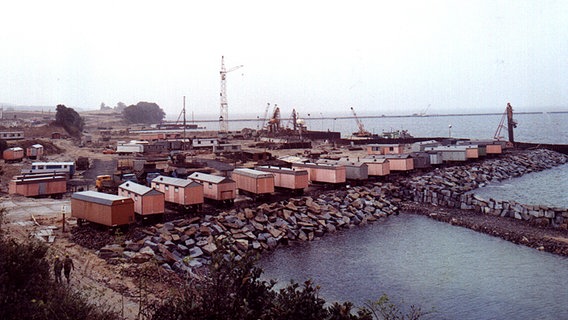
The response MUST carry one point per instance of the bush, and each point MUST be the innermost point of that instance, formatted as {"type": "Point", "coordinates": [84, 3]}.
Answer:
{"type": "Point", "coordinates": [27, 290]}
{"type": "Point", "coordinates": [232, 289]}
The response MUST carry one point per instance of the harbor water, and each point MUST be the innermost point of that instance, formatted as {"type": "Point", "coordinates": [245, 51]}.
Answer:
{"type": "Point", "coordinates": [459, 273]}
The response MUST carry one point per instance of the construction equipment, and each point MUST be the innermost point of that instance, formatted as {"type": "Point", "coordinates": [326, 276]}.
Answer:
{"type": "Point", "coordinates": [224, 117]}
{"type": "Point", "coordinates": [274, 122]}
{"type": "Point", "coordinates": [362, 132]}
{"type": "Point", "coordinates": [511, 124]}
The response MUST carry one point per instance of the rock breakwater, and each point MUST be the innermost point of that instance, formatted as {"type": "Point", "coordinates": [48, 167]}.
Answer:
{"type": "Point", "coordinates": [184, 244]}
{"type": "Point", "coordinates": [453, 187]}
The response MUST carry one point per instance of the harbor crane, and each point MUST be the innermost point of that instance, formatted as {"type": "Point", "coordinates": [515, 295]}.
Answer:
{"type": "Point", "coordinates": [511, 124]}
{"type": "Point", "coordinates": [224, 116]}
{"type": "Point", "coordinates": [362, 132]}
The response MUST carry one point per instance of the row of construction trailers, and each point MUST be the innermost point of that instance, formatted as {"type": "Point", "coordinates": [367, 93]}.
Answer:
{"type": "Point", "coordinates": [189, 194]}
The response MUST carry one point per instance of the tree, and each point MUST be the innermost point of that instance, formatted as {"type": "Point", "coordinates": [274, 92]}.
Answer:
{"type": "Point", "coordinates": [143, 112]}
{"type": "Point", "coordinates": [120, 106]}
{"type": "Point", "coordinates": [70, 120]}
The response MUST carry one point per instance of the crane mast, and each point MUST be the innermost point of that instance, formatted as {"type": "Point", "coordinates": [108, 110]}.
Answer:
{"type": "Point", "coordinates": [224, 114]}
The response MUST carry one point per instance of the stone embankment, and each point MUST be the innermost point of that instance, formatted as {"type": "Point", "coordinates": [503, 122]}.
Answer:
{"type": "Point", "coordinates": [189, 243]}
{"type": "Point", "coordinates": [185, 244]}
{"type": "Point", "coordinates": [452, 187]}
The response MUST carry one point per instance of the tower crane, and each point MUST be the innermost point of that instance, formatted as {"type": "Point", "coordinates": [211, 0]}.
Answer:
{"type": "Point", "coordinates": [362, 132]}
{"type": "Point", "coordinates": [224, 116]}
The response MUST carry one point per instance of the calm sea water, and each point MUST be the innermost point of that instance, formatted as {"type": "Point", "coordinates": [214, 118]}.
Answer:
{"type": "Point", "coordinates": [415, 260]}
{"type": "Point", "coordinates": [458, 272]}
{"type": "Point", "coordinates": [541, 127]}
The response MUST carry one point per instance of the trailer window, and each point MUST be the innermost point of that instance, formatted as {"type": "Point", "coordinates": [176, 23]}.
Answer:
{"type": "Point", "coordinates": [176, 189]}
{"type": "Point", "coordinates": [167, 188]}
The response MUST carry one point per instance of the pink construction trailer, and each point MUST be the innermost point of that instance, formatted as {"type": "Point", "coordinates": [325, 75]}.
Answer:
{"type": "Point", "coordinates": [253, 182]}
{"type": "Point", "coordinates": [291, 179]}
{"type": "Point", "coordinates": [106, 209]}
{"type": "Point", "coordinates": [180, 193]}
{"type": "Point", "coordinates": [147, 201]}
{"type": "Point", "coordinates": [323, 173]}
{"type": "Point", "coordinates": [216, 188]}
{"type": "Point", "coordinates": [37, 185]}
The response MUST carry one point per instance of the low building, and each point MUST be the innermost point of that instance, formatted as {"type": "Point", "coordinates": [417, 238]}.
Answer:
{"type": "Point", "coordinates": [147, 201]}
{"type": "Point", "coordinates": [397, 162]}
{"type": "Point", "coordinates": [102, 208]}
{"type": "Point", "coordinates": [38, 185]}
{"type": "Point", "coordinates": [287, 178]}
{"type": "Point", "coordinates": [354, 170]}
{"type": "Point", "coordinates": [14, 154]}
{"type": "Point", "coordinates": [34, 151]}
{"type": "Point", "coordinates": [387, 149]}
{"type": "Point", "coordinates": [323, 173]}
{"type": "Point", "coordinates": [253, 182]}
{"type": "Point", "coordinates": [216, 188]}
{"type": "Point", "coordinates": [182, 192]}
{"type": "Point", "coordinates": [377, 167]}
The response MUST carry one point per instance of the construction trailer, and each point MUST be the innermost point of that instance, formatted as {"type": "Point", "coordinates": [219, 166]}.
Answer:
{"type": "Point", "coordinates": [180, 193]}
{"type": "Point", "coordinates": [216, 188]}
{"type": "Point", "coordinates": [449, 153]}
{"type": "Point", "coordinates": [38, 185]}
{"type": "Point", "coordinates": [397, 162]}
{"type": "Point", "coordinates": [147, 201]}
{"type": "Point", "coordinates": [323, 173]}
{"type": "Point", "coordinates": [66, 167]}
{"type": "Point", "coordinates": [15, 154]}
{"type": "Point", "coordinates": [290, 179]}
{"type": "Point", "coordinates": [354, 170]}
{"type": "Point", "coordinates": [421, 160]}
{"type": "Point", "coordinates": [387, 149]}
{"type": "Point", "coordinates": [377, 167]}
{"type": "Point", "coordinates": [253, 182]}
{"type": "Point", "coordinates": [102, 208]}
{"type": "Point", "coordinates": [11, 135]}
{"type": "Point", "coordinates": [34, 151]}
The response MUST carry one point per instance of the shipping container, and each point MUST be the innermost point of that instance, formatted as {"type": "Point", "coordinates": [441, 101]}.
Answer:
{"type": "Point", "coordinates": [34, 151]}
{"type": "Point", "coordinates": [15, 154]}
{"type": "Point", "coordinates": [291, 179]}
{"type": "Point", "coordinates": [147, 201]}
{"type": "Point", "coordinates": [377, 167]}
{"type": "Point", "coordinates": [354, 170]}
{"type": "Point", "coordinates": [323, 173]}
{"type": "Point", "coordinates": [181, 193]}
{"type": "Point", "coordinates": [216, 188]}
{"type": "Point", "coordinates": [129, 148]}
{"type": "Point", "coordinates": [102, 208]}
{"type": "Point", "coordinates": [35, 185]}
{"type": "Point", "coordinates": [254, 182]}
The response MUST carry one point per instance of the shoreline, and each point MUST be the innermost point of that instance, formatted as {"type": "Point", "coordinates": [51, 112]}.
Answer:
{"type": "Point", "coordinates": [533, 235]}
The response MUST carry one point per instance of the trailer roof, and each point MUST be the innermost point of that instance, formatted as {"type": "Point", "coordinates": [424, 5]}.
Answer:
{"type": "Point", "coordinates": [99, 197]}
{"type": "Point", "coordinates": [342, 162]}
{"type": "Point", "coordinates": [138, 188]}
{"type": "Point", "coordinates": [252, 173]}
{"type": "Point", "coordinates": [52, 163]}
{"type": "Point", "coordinates": [284, 170]}
{"type": "Point", "coordinates": [209, 178]}
{"type": "Point", "coordinates": [174, 181]}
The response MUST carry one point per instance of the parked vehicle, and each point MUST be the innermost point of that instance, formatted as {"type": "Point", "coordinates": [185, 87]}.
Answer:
{"type": "Point", "coordinates": [67, 168]}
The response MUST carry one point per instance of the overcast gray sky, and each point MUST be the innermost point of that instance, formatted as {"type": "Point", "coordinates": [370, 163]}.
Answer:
{"type": "Point", "coordinates": [382, 57]}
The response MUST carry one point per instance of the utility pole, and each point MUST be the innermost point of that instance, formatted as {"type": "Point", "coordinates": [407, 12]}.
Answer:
{"type": "Point", "coordinates": [224, 114]}
{"type": "Point", "coordinates": [511, 123]}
